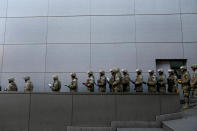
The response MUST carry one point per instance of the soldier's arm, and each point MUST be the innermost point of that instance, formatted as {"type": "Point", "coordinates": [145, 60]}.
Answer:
{"type": "Point", "coordinates": [195, 78]}
{"type": "Point", "coordinates": [186, 79]}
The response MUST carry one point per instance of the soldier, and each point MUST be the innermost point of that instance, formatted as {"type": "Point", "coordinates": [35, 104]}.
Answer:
{"type": "Point", "coordinates": [74, 83]}
{"type": "Point", "coordinates": [117, 84]}
{"type": "Point", "coordinates": [12, 85]}
{"type": "Point", "coordinates": [152, 81]}
{"type": "Point", "coordinates": [126, 81]}
{"type": "Point", "coordinates": [172, 81]}
{"type": "Point", "coordinates": [185, 82]}
{"type": "Point", "coordinates": [161, 81]}
{"type": "Point", "coordinates": [56, 86]}
{"type": "Point", "coordinates": [90, 82]}
{"type": "Point", "coordinates": [101, 82]}
{"type": "Point", "coordinates": [28, 84]}
{"type": "Point", "coordinates": [139, 81]}
{"type": "Point", "coordinates": [194, 80]}
{"type": "Point", "coordinates": [111, 80]}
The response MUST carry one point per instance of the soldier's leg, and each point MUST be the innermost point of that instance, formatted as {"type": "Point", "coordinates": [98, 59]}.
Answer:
{"type": "Point", "coordinates": [186, 98]}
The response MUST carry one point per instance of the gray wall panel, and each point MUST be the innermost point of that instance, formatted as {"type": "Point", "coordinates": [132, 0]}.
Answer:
{"type": "Point", "coordinates": [112, 7]}
{"type": "Point", "coordinates": [93, 109]}
{"type": "Point", "coordinates": [189, 27]}
{"type": "Point", "coordinates": [190, 53]}
{"type": "Point", "coordinates": [112, 29]}
{"type": "Point", "coordinates": [22, 8]}
{"type": "Point", "coordinates": [137, 107]}
{"type": "Point", "coordinates": [69, 30]}
{"type": "Point", "coordinates": [104, 59]}
{"type": "Point", "coordinates": [26, 30]}
{"type": "Point", "coordinates": [2, 30]}
{"type": "Point", "coordinates": [157, 6]}
{"type": "Point", "coordinates": [50, 112]}
{"type": "Point", "coordinates": [169, 103]}
{"type": "Point", "coordinates": [158, 28]}
{"type": "Point", "coordinates": [24, 58]}
{"type": "Point", "coordinates": [147, 53]}
{"type": "Point", "coordinates": [188, 6]}
{"type": "Point", "coordinates": [14, 112]}
{"type": "Point", "coordinates": [3, 8]}
{"type": "Point", "coordinates": [69, 7]}
{"type": "Point", "coordinates": [55, 111]}
{"type": "Point", "coordinates": [68, 58]}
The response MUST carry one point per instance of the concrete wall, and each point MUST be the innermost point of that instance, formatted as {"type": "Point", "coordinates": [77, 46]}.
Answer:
{"type": "Point", "coordinates": [44, 37]}
{"type": "Point", "coordinates": [55, 111]}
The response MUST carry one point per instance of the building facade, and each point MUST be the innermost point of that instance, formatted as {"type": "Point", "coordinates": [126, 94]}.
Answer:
{"type": "Point", "coordinates": [40, 38]}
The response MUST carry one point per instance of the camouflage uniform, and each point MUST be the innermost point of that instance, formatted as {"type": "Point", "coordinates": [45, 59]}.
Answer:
{"type": "Point", "coordinates": [139, 81]}
{"type": "Point", "coordinates": [152, 82]}
{"type": "Point", "coordinates": [194, 80]}
{"type": "Point", "coordinates": [126, 81]}
{"type": "Point", "coordinates": [74, 84]}
{"type": "Point", "coordinates": [28, 84]}
{"type": "Point", "coordinates": [101, 82]}
{"type": "Point", "coordinates": [185, 82]}
{"type": "Point", "coordinates": [111, 80]}
{"type": "Point", "coordinates": [172, 81]}
{"type": "Point", "coordinates": [56, 84]}
{"type": "Point", "coordinates": [117, 84]}
{"type": "Point", "coordinates": [90, 81]}
{"type": "Point", "coordinates": [12, 85]}
{"type": "Point", "coordinates": [161, 81]}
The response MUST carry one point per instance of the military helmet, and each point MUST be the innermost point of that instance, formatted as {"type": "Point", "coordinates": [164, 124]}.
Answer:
{"type": "Point", "coordinates": [27, 78]}
{"type": "Point", "coordinates": [101, 71]}
{"type": "Point", "coordinates": [73, 74]}
{"type": "Point", "coordinates": [90, 72]}
{"type": "Point", "coordinates": [194, 66]}
{"type": "Point", "coordinates": [170, 71]}
{"type": "Point", "coordinates": [55, 77]}
{"type": "Point", "coordinates": [160, 70]}
{"type": "Point", "coordinates": [139, 70]}
{"type": "Point", "coordinates": [124, 71]}
{"type": "Point", "coordinates": [183, 67]}
{"type": "Point", "coordinates": [112, 70]}
{"type": "Point", "coordinates": [150, 71]}
{"type": "Point", "coordinates": [11, 79]}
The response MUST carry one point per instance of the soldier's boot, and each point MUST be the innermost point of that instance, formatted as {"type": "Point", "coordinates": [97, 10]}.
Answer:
{"type": "Point", "coordinates": [186, 106]}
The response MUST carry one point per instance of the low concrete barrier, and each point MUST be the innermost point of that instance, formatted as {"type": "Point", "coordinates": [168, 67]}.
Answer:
{"type": "Point", "coordinates": [56, 111]}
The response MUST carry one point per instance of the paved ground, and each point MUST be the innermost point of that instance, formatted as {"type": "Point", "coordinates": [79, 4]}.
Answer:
{"type": "Point", "coordinates": [188, 123]}
{"type": "Point", "coordinates": [140, 129]}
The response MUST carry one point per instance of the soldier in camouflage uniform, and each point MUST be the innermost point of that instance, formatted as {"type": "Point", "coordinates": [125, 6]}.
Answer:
{"type": "Point", "coordinates": [185, 82]}
{"type": "Point", "coordinates": [125, 81]}
{"type": "Point", "coordinates": [194, 80]}
{"type": "Point", "coordinates": [172, 81]}
{"type": "Point", "coordinates": [12, 85]}
{"type": "Point", "coordinates": [111, 80]}
{"type": "Point", "coordinates": [90, 82]}
{"type": "Point", "coordinates": [101, 82]}
{"type": "Point", "coordinates": [117, 84]}
{"type": "Point", "coordinates": [28, 84]}
{"type": "Point", "coordinates": [139, 81]}
{"type": "Point", "coordinates": [152, 81]}
{"type": "Point", "coordinates": [74, 83]}
{"type": "Point", "coordinates": [56, 86]}
{"type": "Point", "coordinates": [161, 81]}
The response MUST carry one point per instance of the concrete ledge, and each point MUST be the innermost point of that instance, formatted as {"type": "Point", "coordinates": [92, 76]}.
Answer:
{"type": "Point", "coordinates": [72, 128]}
{"type": "Point", "coordinates": [136, 124]}
{"type": "Point", "coordinates": [168, 117]}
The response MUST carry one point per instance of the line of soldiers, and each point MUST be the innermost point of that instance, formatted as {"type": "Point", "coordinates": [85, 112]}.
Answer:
{"type": "Point", "coordinates": [121, 82]}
